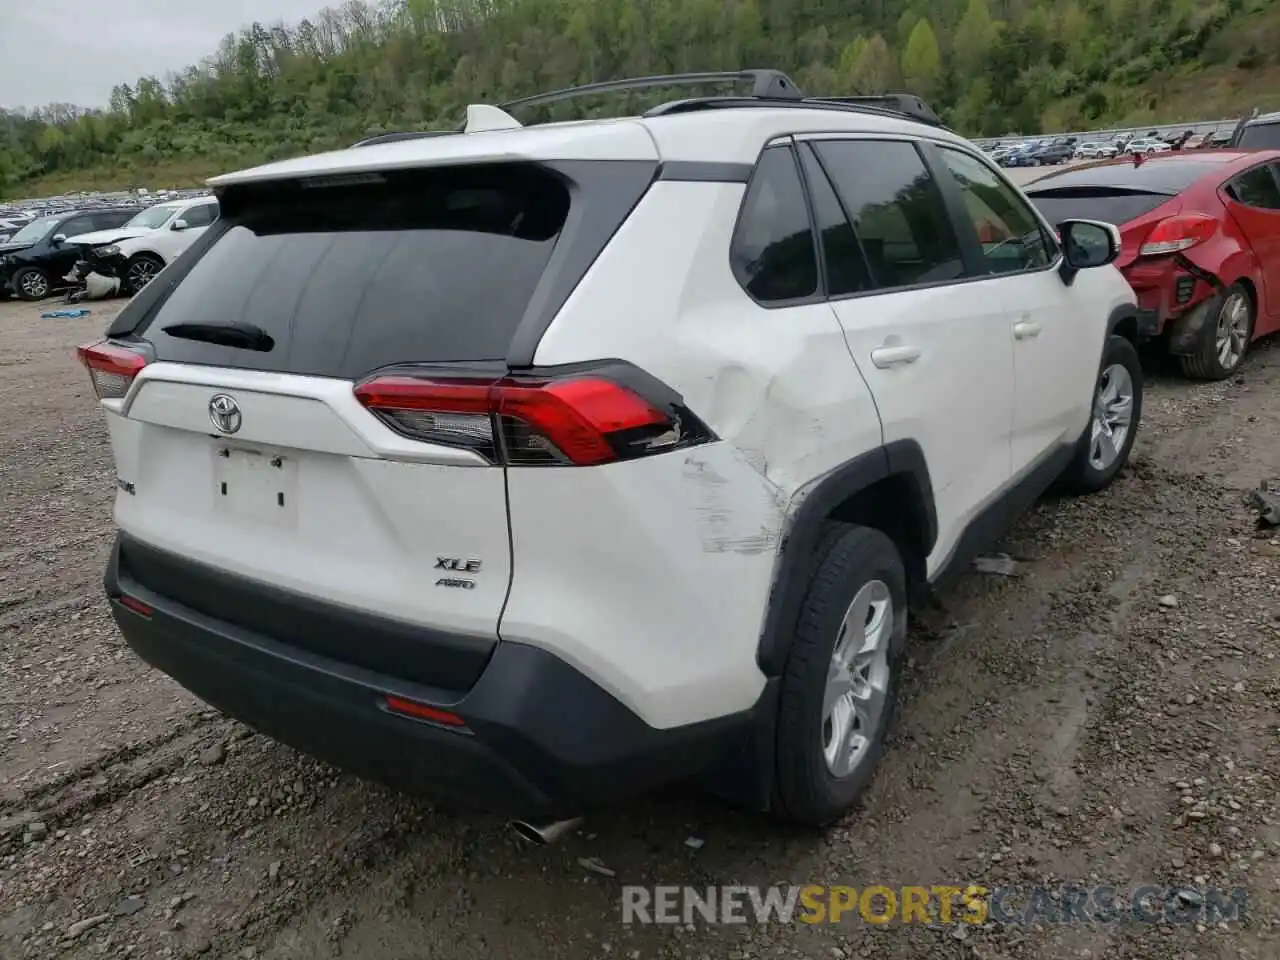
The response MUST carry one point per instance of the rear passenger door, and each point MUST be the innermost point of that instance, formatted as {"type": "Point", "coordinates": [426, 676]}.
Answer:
{"type": "Point", "coordinates": [1055, 361]}
{"type": "Point", "coordinates": [934, 347]}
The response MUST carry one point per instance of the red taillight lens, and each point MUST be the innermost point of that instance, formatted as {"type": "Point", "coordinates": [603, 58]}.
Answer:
{"type": "Point", "coordinates": [579, 420]}
{"type": "Point", "coordinates": [1176, 234]}
{"type": "Point", "coordinates": [111, 368]}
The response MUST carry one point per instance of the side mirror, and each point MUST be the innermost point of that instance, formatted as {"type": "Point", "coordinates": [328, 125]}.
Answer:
{"type": "Point", "coordinates": [59, 239]}
{"type": "Point", "coordinates": [179, 225]}
{"type": "Point", "coordinates": [1087, 244]}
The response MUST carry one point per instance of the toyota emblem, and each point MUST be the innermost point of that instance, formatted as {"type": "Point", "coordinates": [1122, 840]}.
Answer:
{"type": "Point", "coordinates": [225, 413]}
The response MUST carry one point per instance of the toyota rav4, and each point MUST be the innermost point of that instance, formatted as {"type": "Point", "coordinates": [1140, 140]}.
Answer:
{"type": "Point", "coordinates": [535, 466]}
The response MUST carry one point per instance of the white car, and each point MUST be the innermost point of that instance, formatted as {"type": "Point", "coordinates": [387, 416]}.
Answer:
{"type": "Point", "coordinates": [537, 466]}
{"type": "Point", "coordinates": [1095, 151]}
{"type": "Point", "coordinates": [1145, 146]}
{"type": "Point", "coordinates": [10, 226]}
{"type": "Point", "coordinates": [136, 260]}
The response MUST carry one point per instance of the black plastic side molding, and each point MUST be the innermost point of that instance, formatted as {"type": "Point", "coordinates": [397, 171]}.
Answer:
{"type": "Point", "coordinates": [796, 556]}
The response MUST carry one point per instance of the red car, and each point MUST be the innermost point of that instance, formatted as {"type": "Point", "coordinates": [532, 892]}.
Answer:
{"type": "Point", "coordinates": [1201, 245]}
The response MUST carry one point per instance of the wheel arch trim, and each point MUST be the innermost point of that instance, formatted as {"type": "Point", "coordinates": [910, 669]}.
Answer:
{"type": "Point", "coordinates": [812, 506]}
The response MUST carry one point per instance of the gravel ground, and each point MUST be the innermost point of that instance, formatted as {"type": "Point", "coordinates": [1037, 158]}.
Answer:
{"type": "Point", "coordinates": [1111, 715]}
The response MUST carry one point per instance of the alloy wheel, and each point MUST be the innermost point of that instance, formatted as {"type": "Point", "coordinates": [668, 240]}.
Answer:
{"type": "Point", "coordinates": [35, 285]}
{"type": "Point", "coordinates": [1232, 337]}
{"type": "Point", "coordinates": [142, 273]}
{"type": "Point", "coordinates": [856, 692]}
{"type": "Point", "coordinates": [1112, 416]}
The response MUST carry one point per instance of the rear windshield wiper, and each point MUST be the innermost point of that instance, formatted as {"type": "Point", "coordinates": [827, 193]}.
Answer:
{"type": "Point", "coordinates": [244, 336]}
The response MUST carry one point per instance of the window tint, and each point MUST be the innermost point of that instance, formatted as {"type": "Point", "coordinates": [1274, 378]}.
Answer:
{"type": "Point", "coordinates": [419, 265]}
{"type": "Point", "coordinates": [1115, 206]}
{"type": "Point", "coordinates": [896, 209]}
{"type": "Point", "coordinates": [1011, 236]}
{"type": "Point", "coordinates": [846, 264]}
{"type": "Point", "coordinates": [76, 226]}
{"type": "Point", "coordinates": [201, 215]}
{"type": "Point", "coordinates": [772, 251]}
{"type": "Point", "coordinates": [1261, 136]}
{"type": "Point", "coordinates": [1169, 173]}
{"type": "Point", "coordinates": [1256, 188]}
{"type": "Point", "coordinates": [110, 219]}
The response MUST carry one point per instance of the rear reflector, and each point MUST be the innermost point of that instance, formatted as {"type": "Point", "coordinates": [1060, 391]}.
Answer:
{"type": "Point", "coordinates": [136, 606]}
{"type": "Point", "coordinates": [111, 368]}
{"type": "Point", "coordinates": [422, 711]}
{"type": "Point", "coordinates": [579, 420]}
{"type": "Point", "coordinates": [1176, 234]}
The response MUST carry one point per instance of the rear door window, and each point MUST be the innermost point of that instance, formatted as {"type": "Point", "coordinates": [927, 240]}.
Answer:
{"type": "Point", "coordinates": [772, 252]}
{"type": "Point", "coordinates": [846, 264]}
{"type": "Point", "coordinates": [411, 266]}
{"type": "Point", "coordinates": [897, 211]}
{"type": "Point", "coordinates": [1256, 188]}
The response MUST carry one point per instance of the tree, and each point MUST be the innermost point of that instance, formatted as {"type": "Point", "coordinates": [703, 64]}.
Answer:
{"type": "Point", "coordinates": [271, 90]}
{"type": "Point", "coordinates": [922, 60]}
{"type": "Point", "coordinates": [874, 71]}
{"type": "Point", "coordinates": [973, 39]}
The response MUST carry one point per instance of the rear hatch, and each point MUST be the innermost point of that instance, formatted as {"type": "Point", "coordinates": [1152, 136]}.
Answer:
{"type": "Point", "coordinates": [1134, 210]}
{"type": "Point", "coordinates": [258, 488]}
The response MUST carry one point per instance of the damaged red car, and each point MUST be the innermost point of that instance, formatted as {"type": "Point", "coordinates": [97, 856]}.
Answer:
{"type": "Point", "coordinates": [1201, 245]}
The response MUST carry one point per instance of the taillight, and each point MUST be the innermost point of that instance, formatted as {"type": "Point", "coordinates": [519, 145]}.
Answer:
{"type": "Point", "coordinates": [577, 420]}
{"type": "Point", "coordinates": [1176, 234]}
{"type": "Point", "coordinates": [111, 368]}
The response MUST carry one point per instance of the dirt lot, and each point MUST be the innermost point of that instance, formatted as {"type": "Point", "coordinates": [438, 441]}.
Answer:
{"type": "Point", "coordinates": [1110, 716]}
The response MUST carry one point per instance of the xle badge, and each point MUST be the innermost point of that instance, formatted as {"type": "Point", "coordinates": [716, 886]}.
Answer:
{"type": "Point", "coordinates": [457, 565]}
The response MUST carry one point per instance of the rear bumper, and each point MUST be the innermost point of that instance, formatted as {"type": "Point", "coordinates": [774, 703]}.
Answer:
{"type": "Point", "coordinates": [541, 741]}
{"type": "Point", "coordinates": [1148, 322]}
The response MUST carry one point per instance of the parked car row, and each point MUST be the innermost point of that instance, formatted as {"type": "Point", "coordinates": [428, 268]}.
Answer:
{"type": "Point", "coordinates": [126, 245]}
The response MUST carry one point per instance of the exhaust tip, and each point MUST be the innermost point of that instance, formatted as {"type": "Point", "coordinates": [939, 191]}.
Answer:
{"type": "Point", "coordinates": [542, 835]}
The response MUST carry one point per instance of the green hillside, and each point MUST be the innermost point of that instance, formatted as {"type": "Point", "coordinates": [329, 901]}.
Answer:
{"type": "Point", "coordinates": [989, 66]}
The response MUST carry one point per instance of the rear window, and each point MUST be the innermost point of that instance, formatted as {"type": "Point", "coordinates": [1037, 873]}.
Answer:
{"type": "Point", "coordinates": [437, 265]}
{"type": "Point", "coordinates": [1168, 173]}
{"type": "Point", "coordinates": [1108, 206]}
{"type": "Point", "coordinates": [1261, 136]}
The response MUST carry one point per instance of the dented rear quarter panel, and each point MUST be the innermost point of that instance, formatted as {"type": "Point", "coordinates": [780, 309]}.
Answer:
{"type": "Point", "coordinates": [677, 552]}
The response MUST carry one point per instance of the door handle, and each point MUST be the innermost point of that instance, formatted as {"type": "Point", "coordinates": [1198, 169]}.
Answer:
{"type": "Point", "coordinates": [1025, 330]}
{"type": "Point", "coordinates": [895, 356]}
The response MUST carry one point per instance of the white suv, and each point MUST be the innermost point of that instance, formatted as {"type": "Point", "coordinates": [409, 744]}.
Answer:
{"type": "Point", "coordinates": [537, 466]}
{"type": "Point", "coordinates": [145, 245]}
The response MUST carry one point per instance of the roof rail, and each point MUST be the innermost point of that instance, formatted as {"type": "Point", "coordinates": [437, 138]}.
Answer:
{"type": "Point", "coordinates": [850, 104]}
{"type": "Point", "coordinates": [769, 88]}
{"type": "Point", "coordinates": [403, 135]}
{"type": "Point", "coordinates": [773, 84]}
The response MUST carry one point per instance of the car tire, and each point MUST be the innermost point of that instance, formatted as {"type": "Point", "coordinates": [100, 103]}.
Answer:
{"type": "Point", "coordinates": [1225, 339]}
{"type": "Point", "coordinates": [1117, 403]}
{"type": "Point", "coordinates": [32, 283]}
{"type": "Point", "coordinates": [829, 742]}
{"type": "Point", "coordinates": [139, 270]}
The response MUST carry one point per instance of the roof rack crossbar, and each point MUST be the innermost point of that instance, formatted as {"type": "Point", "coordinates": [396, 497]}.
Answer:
{"type": "Point", "coordinates": [764, 83]}
{"type": "Point", "coordinates": [907, 104]}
